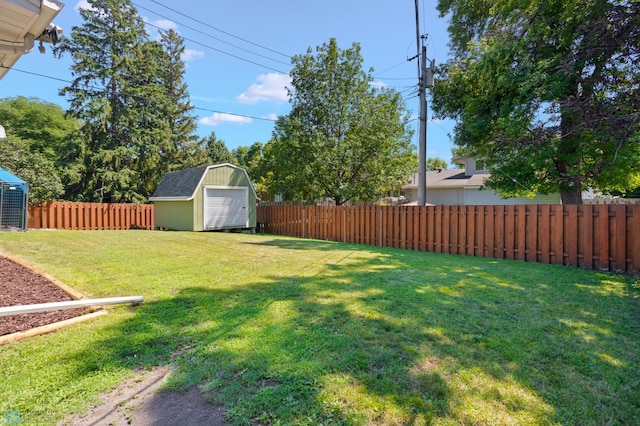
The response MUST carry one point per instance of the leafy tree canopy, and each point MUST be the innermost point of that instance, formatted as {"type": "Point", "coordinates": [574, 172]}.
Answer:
{"type": "Point", "coordinates": [547, 93]}
{"type": "Point", "coordinates": [343, 139]}
{"type": "Point", "coordinates": [251, 159]}
{"type": "Point", "coordinates": [436, 163]}
{"type": "Point", "coordinates": [42, 125]}
{"type": "Point", "coordinates": [31, 166]}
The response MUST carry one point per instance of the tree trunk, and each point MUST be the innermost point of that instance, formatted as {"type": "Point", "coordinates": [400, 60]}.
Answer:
{"type": "Point", "coordinates": [571, 195]}
{"type": "Point", "coordinates": [568, 156]}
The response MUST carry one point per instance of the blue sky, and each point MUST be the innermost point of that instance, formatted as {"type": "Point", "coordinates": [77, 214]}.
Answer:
{"type": "Point", "coordinates": [238, 56]}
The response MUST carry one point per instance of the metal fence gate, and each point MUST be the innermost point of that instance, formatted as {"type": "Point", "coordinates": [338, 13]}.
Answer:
{"type": "Point", "coordinates": [14, 205]}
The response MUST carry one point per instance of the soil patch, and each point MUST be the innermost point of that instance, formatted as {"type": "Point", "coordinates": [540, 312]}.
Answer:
{"type": "Point", "coordinates": [137, 402]}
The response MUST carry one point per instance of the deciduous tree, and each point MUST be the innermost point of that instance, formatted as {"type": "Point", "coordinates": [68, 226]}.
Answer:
{"type": "Point", "coordinates": [547, 93]}
{"type": "Point", "coordinates": [249, 157]}
{"type": "Point", "coordinates": [42, 124]}
{"type": "Point", "coordinates": [436, 163]}
{"type": "Point", "coordinates": [31, 166]}
{"type": "Point", "coordinates": [37, 132]}
{"type": "Point", "coordinates": [343, 139]}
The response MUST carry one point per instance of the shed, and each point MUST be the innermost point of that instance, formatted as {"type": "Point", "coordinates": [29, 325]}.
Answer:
{"type": "Point", "coordinates": [220, 196]}
{"type": "Point", "coordinates": [14, 202]}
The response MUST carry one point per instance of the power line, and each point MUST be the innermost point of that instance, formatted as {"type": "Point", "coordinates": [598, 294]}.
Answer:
{"type": "Point", "coordinates": [219, 30]}
{"type": "Point", "coordinates": [207, 35]}
{"type": "Point", "coordinates": [225, 53]}
{"type": "Point", "coordinates": [239, 38]}
{"type": "Point", "coordinates": [390, 68]}
{"type": "Point", "coordinates": [98, 89]}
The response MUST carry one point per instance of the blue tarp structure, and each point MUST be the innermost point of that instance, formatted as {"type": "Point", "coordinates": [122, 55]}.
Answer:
{"type": "Point", "coordinates": [14, 206]}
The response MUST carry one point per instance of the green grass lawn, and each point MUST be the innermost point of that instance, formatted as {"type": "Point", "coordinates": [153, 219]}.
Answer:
{"type": "Point", "coordinates": [291, 331]}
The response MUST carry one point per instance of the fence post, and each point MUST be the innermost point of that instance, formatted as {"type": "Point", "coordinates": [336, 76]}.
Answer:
{"type": "Point", "coordinates": [570, 212]}
{"type": "Point", "coordinates": [619, 232]}
{"type": "Point", "coordinates": [634, 229]}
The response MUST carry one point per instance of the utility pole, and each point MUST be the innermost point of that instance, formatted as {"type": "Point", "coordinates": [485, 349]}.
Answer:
{"type": "Point", "coordinates": [425, 80]}
{"type": "Point", "coordinates": [422, 137]}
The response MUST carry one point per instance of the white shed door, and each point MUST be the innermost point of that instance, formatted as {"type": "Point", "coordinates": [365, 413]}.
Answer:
{"type": "Point", "coordinates": [226, 207]}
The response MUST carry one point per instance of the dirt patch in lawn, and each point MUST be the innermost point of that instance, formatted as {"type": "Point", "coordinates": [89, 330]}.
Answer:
{"type": "Point", "coordinates": [136, 401]}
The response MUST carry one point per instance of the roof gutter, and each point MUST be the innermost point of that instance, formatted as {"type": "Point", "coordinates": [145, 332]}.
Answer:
{"type": "Point", "coordinates": [170, 198]}
{"type": "Point", "coordinates": [27, 46]}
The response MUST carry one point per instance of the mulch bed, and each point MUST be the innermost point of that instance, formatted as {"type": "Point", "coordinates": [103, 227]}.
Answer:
{"type": "Point", "coordinates": [22, 286]}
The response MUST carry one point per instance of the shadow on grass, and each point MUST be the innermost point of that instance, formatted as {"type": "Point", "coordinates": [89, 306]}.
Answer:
{"type": "Point", "coordinates": [304, 244]}
{"type": "Point", "coordinates": [398, 338]}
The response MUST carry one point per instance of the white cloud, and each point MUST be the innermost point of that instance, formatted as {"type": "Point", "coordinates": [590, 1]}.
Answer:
{"type": "Point", "coordinates": [221, 118]}
{"type": "Point", "coordinates": [270, 87]}
{"type": "Point", "coordinates": [164, 24]}
{"type": "Point", "coordinates": [191, 55]}
{"type": "Point", "coordinates": [379, 84]}
{"type": "Point", "coordinates": [154, 27]}
{"type": "Point", "coordinates": [82, 4]}
{"type": "Point", "coordinates": [272, 116]}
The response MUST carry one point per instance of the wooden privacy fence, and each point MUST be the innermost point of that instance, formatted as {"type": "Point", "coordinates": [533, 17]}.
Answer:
{"type": "Point", "coordinates": [601, 237]}
{"type": "Point", "coordinates": [90, 216]}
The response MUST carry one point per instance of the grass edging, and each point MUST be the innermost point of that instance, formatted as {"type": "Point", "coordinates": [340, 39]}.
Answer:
{"type": "Point", "coordinates": [49, 328]}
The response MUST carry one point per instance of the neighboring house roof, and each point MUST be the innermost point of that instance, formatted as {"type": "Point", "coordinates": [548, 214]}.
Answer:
{"type": "Point", "coordinates": [184, 184]}
{"type": "Point", "coordinates": [449, 179]}
{"type": "Point", "coordinates": [7, 177]}
{"type": "Point", "coordinates": [22, 22]}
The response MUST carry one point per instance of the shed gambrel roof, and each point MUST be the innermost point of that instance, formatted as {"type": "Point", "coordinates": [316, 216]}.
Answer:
{"type": "Point", "coordinates": [184, 184]}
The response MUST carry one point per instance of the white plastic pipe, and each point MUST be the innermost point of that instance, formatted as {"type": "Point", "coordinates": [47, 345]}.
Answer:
{"type": "Point", "coordinates": [56, 306]}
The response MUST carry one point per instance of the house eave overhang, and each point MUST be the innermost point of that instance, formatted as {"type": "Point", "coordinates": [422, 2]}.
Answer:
{"type": "Point", "coordinates": [22, 22]}
{"type": "Point", "coordinates": [170, 198]}
{"type": "Point", "coordinates": [443, 187]}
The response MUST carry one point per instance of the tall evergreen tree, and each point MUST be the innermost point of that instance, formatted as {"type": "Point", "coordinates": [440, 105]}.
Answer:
{"type": "Point", "coordinates": [113, 93]}
{"type": "Point", "coordinates": [217, 150]}
{"type": "Point", "coordinates": [151, 133]}
{"type": "Point", "coordinates": [184, 149]}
